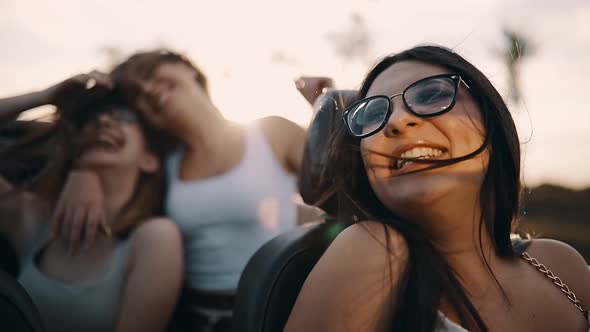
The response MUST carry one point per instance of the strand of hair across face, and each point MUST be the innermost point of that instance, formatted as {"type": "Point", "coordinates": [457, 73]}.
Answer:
{"type": "Point", "coordinates": [436, 163]}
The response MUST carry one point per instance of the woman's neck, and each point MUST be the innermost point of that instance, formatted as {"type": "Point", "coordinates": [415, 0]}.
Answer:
{"type": "Point", "coordinates": [118, 188]}
{"type": "Point", "coordinates": [202, 129]}
{"type": "Point", "coordinates": [206, 135]}
{"type": "Point", "coordinates": [459, 234]}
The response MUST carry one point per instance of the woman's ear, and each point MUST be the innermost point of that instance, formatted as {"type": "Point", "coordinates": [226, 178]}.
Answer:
{"type": "Point", "coordinates": [149, 163]}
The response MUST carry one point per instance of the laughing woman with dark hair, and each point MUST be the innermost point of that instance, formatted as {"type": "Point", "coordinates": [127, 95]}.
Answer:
{"type": "Point", "coordinates": [130, 279]}
{"type": "Point", "coordinates": [430, 161]}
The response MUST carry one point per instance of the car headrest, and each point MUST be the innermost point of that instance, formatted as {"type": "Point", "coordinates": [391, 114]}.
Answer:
{"type": "Point", "coordinates": [329, 108]}
{"type": "Point", "coordinates": [8, 258]}
{"type": "Point", "coordinates": [275, 274]}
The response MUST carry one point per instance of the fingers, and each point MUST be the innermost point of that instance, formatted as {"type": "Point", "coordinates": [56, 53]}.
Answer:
{"type": "Point", "coordinates": [312, 87]}
{"type": "Point", "coordinates": [73, 226]}
{"type": "Point", "coordinates": [300, 83]}
{"type": "Point", "coordinates": [79, 79]}
{"type": "Point", "coordinates": [95, 221]}
{"type": "Point", "coordinates": [314, 83]}
{"type": "Point", "coordinates": [325, 84]}
{"type": "Point", "coordinates": [66, 221]}
{"type": "Point", "coordinates": [106, 229]}
{"type": "Point", "coordinates": [76, 230]}
{"type": "Point", "coordinates": [57, 220]}
{"type": "Point", "coordinates": [92, 80]}
{"type": "Point", "coordinates": [91, 228]}
{"type": "Point", "coordinates": [100, 79]}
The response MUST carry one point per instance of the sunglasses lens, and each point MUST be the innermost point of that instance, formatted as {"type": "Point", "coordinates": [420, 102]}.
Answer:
{"type": "Point", "coordinates": [431, 96]}
{"type": "Point", "coordinates": [124, 115]}
{"type": "Point", "coordinates": [115, 113]}
{"type": "Point", "coordinates": [366, 116]}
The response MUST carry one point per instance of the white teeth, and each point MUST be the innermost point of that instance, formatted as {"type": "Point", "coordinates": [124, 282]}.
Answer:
{"type": "Point", "coordinates": [418, 153]}
{"type": "Point", "coordinates": [421, 152]}
{"type": "Point", "coordinates": [106, 146]}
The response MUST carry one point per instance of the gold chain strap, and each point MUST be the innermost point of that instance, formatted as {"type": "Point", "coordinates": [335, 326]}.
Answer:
{"type": "Point", "coordinates": [543, 269]}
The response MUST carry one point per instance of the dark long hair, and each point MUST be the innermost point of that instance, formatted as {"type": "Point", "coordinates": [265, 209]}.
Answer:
{"type": "Point", "coordinates": [60, 144]}
{"type": "Point", "coordinates": [428, 276]}
{"type": "Point", "coordinates": [141, 66]}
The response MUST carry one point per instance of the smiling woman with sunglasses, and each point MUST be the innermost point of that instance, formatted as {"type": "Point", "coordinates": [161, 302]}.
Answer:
{"type": "Point", "coordinates": [127, 280]}
{"type": "Point", "coordinates": [429, 161]}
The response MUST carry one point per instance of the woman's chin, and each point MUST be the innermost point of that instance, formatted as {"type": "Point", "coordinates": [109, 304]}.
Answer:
{"type": "Point", "coordinates": [415, 192]}
{"type": "Point", "coordinates": [94, 161]}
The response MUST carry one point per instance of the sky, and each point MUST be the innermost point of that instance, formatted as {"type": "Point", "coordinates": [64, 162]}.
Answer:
{"type": "Point", "coordinates": [253, 50]}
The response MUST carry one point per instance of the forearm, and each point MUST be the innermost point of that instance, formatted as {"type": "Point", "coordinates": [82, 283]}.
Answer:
{"type": "Point", "coordinates": [22, 216]}
{"type": "Point", "coordinates": [11, 107]}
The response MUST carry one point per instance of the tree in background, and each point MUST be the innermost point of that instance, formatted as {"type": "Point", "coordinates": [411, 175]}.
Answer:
{"type": "Point", "coordinates": [516, 48]}
{"type": "Point", "coordinates": [354, 42]}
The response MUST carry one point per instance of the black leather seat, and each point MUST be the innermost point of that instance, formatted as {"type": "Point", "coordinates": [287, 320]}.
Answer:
{"type": "Point", "coordinates": [17, 310]}
{"type": "Point", "coordinates": [329, 109]}
{"type": "Point", "coordinates": [275, 274]}
{"type": "Point", "coordinates": [8, 258]}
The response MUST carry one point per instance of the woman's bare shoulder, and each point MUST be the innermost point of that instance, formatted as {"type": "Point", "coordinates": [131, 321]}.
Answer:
{"type": "Point", "coordinates": [566, 263]}
{"type": "Point", "coordinates": [156, 237]}
{"type": "Point", "coordinates": [353, 283]}
{"type": "Point", "coordinates": [373, 244]}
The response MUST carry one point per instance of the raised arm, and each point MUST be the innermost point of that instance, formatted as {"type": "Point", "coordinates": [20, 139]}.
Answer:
{"type": "Point", "coordinates": [22, 215]}
{"type": "Point", "coordinates": [79, 214]}
{"type": "Point", "coordinates": [12, 107]}
{"type": "Point", "coordinates": [287, 140]}
{"type": "Point", "coordinates": [311, 87]}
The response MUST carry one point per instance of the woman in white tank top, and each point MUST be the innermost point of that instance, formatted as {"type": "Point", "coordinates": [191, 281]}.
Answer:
{"type": "Point", "coordinates": [230, 188]}
{"type": "Point", "coordinates": [429, 158]}
{"type": "Point", "coordinates": [128, 280]}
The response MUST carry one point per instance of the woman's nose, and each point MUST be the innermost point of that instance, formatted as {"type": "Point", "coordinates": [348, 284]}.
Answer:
{"type": "Point", "coordinates": [401, 118]}
{"type": "Point", "coordinates": [105, 119]}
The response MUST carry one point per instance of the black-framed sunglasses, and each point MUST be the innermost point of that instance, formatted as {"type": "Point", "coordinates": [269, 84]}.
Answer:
{"type": "Point", "coordinates": [115, 112]}
{"type": "Point", "coordinates": [430, 96]}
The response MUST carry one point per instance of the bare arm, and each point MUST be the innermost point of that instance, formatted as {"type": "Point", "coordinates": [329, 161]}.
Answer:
{"type": "Point", "coordinates": [311, 87]}
{"type": "Point", "coordinates": [154, 278]}
{"type": "Point", "coordinates": [287, 140]}
{"type": "Point", "coordinates": [79, 214]}
{"type": "Point", "coordinates": [350, 288]}
{"type": "Point", "coordinates": [11, 107]}
{"type": "Point", "coordinates": [22, 214]}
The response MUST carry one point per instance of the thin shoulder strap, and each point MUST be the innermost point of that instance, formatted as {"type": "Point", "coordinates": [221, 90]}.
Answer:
{"type": "Point", "coordinates": [555, 279]}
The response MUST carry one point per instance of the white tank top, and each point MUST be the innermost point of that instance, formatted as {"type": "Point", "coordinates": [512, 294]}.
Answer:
{"type": "Point", "coordinates": [224, 219]}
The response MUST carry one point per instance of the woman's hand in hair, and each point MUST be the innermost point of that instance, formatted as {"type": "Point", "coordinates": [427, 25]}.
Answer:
{"type": "Point", "coordinates": [311, 87]}
{"type": "Point", "coordinates": [79, 214]}
{"type": "Point", "coordinates": [12, 107]}
{"type": "Point", "coordinates": [56, 94]}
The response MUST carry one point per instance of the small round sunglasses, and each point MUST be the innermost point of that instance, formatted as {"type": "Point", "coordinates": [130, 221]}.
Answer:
{"type": "Point", "coordinates": [115, 112]}
{"type": "Point", "coordinates": [430, 96]}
